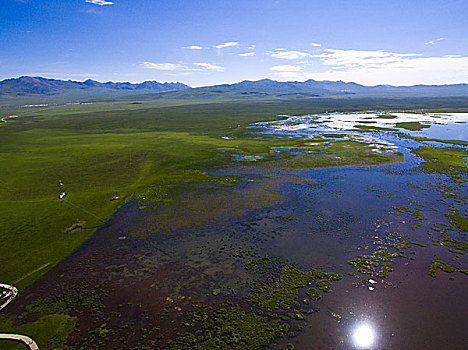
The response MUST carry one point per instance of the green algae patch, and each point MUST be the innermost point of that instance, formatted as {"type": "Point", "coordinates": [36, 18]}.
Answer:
{"type": "Point", "coordinates": [419, 244]}
{"type": "Point", "coordinates": [313, 294]}
{"type": "Point", "coordinates": [369, 263]}
{"type": "Point", "coordinates": [279, 289]}
{"type": "Point", "coordinates": [49, 332]}
{"type": "Point", "coordinates": [325, 153]}
{"type": "Point", "coordinates": [445, 160]}
{"type": "Point", "coordinates": [456, 251]}
{"type": "Point", "coordinates": [380, 261]}
{"type": "Point", "coordinates": [439, 264]}
{"type": "Point", "coordinates": [324, 285]}
{"type": "Point", "coordinates": [412, 126]}
{"type": "Point", "coordinates": [459, 220]}
{"type": "Point", "coordinates": [229, 327]}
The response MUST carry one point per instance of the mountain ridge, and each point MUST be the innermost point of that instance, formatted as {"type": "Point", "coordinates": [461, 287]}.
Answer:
{"type": "Point", "coordinates": [41, 86]}
{"type": "Point", "coordinates": [263, 88]}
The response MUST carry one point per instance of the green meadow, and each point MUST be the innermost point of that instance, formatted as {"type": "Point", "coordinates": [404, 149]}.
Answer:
{"type": "Point", "coordinates": [131, 150]}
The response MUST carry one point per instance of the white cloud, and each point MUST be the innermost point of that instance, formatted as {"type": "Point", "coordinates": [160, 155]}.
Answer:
{"type": "Point", "coordinates": [286, 68]}
{"type": "Point", "coordinates": [193, 47]}
{"type": "Point", "coordinates": [289, 55]}
{"type": "Point", "coordinates": [382, 67]}
{"type": "Point", "coordinates": [315, 44]}
{"type": "Point", "coordinates": [227, 44]}
{"type": "Point", "coordinates": [247, 54]}
{"type": "Point", "coordinates": [99, 2]}
{"type": "Point", "coordinates": [432, 42]}
{"type": "Point", "coordinates": [193, 67]}
{"type": "Point", "coordinates": [347, 59]}
{"type": "Point", "coordinates": [252, 47]}
{"type": "Point", "coordinates": [162, 66]}
{"type": "Point", "coordinates": [209, 66]}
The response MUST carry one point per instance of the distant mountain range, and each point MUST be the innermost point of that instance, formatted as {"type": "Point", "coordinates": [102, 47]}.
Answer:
{"type": "Point", "coordinates": [43, 86]}
{"type": "Point", "coordinates": [261, 89]}
{"type": "Point", "coordinates": [328, 88]}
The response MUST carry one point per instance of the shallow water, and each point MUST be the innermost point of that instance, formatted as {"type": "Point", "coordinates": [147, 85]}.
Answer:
{"type": "Point", "coordinates": [150, 274]}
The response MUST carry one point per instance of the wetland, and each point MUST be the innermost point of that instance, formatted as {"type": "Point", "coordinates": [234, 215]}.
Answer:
{"type": "Point", "coordinates": [236, 225]}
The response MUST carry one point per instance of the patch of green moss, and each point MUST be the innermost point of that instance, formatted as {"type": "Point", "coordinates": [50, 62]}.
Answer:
{"type": "Point", "coordinates": [313, 294]}
{"type": "Point", "coordinates": [229, 327]}
{"type": "Point", "coordinates": [458, 219]}
{"type": "Point", "coordinates": [386, 268]}
{"type": "Point", "coordinates": [324, 285]}
{"type": "Point", "coordinates": [382, 257]}
{"type": "Point", "coordinates": [445, 160]}
{"type": "Point", "coordinates": [413, 126]}
{"type": "Point", "coordinates": [438, 264]}
{"type": "Point", "coordinates": [281, 289]}
{"type": "Point", "coordinates": [456, 251]}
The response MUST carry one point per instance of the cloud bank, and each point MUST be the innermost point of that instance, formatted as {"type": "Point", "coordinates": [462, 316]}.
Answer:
{"type": "Point", "coordinates": [177, 67]}
{"type": "Point", "coordinates": [377, 67]}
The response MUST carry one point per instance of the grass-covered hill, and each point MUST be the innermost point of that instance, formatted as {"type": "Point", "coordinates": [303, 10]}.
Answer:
{"type": "Point", "coordinates": [41, 90]}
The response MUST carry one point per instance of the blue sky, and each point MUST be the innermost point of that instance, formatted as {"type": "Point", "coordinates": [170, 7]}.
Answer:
{"type": "Point", "coordinates": [206, 42]}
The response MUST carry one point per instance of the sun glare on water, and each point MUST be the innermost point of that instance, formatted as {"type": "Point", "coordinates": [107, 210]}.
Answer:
{"type": "Point", "coordinates": [364, 336]}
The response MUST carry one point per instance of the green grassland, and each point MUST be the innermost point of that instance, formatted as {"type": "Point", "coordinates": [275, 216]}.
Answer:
{"type": "Point", "coordinates": [413, 126]}
{"type": "Point", "coordinates": [49, 331]}
{"type": "Point", "coordinates": [151, 149]}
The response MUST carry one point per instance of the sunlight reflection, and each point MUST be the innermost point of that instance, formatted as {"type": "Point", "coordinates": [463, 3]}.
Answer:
{"type": "Point", "coordinates": [363, 336]}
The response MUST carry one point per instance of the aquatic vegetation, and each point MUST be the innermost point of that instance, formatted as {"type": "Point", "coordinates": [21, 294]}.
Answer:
{"type": "Point", "coordinates": [313, 294]}
{"type": "Point", "coordinates": [281, 288]}
{"type": "Point", "coordinates": [413, 212]}
{"type": "Point", "coordinates": [182, 181]}
{"type": "Point", "coordinates": [337, 224]}
{"type": "Point", "coordinates": [413, 126]}
{"type": "Point", "coordinates": [379, 191]}
{"type": "Point", "coordinates": [228, 327]}
{"type": "Point", "coordinates": [459, 220]}
{"type": "Point", "coordinates": [379, 262]}
{"type": "Point", "coordinates": [323, 285]}
{"type": "Point", "coordinates": [445, 160]}
{"type": "Point", "coordinates": [438, 264]}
